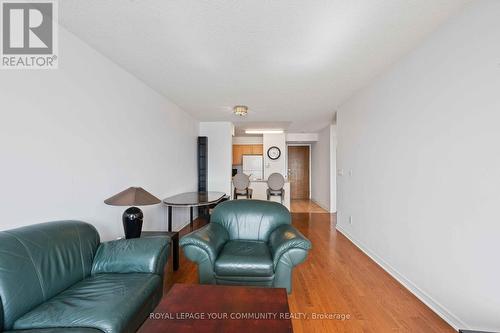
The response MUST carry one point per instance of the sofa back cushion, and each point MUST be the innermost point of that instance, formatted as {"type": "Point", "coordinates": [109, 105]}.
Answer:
{"type": "Point", "coordinates": [250, 219]}
{"type": "Point", "coordinates": [39, 261]}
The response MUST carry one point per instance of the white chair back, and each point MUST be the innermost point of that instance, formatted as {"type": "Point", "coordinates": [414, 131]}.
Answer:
{"type": "Point", "coordinates": [276, 181]}
{"type": "Point", "coordinates": [241, 181]}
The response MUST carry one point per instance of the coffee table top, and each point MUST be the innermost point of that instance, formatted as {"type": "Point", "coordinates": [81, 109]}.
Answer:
{"type": "Point", "coordinates": [194, 199]}
{"type": "Point", "coordinates": [214, 308]}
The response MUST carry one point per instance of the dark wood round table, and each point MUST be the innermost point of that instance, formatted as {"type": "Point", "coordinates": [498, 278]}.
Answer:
{"type": "Point", "coordinates": [191, 200]}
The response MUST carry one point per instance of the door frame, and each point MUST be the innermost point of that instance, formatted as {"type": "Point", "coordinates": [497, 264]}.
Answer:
{"type": "Point", "coordinates": [310, 165]}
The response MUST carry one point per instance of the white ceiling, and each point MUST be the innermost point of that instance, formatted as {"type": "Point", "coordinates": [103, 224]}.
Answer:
{"type": "Point", "coordinates": [292, 61]}
{"type": "Point", "coordinates": [241, 126]}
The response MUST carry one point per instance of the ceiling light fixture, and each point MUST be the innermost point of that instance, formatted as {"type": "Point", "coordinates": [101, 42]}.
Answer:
{"type": "Point", "coordinates": [240, 110]}
{"type": "Point", "coordinates": [264, 131]}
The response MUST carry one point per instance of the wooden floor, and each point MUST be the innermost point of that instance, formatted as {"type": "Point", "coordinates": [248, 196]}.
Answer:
{"type": "Point", "coordinates": [338, 278]}
{"type": "Point", "coordinates": [305, 206]}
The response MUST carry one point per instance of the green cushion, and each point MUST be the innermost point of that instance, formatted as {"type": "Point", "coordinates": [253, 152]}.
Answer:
{"type": "Point", "coordinates": [39, 261]}
{"type": "Point", "coordinates": [250, 219]}
{"type": "Point", "coordinates": [136, 255]}
{"type": "Point", "coordinates": [109, 302]}
{"type": "Point", "coordinates": [244, 258]}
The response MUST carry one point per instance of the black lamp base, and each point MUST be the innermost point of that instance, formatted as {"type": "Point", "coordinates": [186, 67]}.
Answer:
{"type": "Point", "coordinates": [132, 222]}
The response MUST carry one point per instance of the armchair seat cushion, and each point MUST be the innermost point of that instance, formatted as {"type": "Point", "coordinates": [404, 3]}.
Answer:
{"type": "Point", "coordinates": [245, 258]}
{"type": "Point", "coordinates": [108, 302]}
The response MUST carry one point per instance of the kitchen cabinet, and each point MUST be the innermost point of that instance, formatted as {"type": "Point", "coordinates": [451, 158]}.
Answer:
{"type": "Point", "coordinates": [257, 149]}
{"type": "Point", "coordinates": [240, 150]}
{"type": "Point", "coordinates": [237, 153]}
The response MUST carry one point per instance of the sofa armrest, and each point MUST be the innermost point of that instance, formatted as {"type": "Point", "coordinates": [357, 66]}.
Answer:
{"type": "Point", "coordinates": [283, 239]}
{"type": "Point", "coordinates": [211, 238]}
{"type": "Point", "coordinates": [137, 255]}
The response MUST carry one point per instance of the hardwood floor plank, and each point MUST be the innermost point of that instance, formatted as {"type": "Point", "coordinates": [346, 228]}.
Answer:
{"type": "Point", "coordinates": [305, 206]}
{"type": "Point", "coordinates": [337, 277]}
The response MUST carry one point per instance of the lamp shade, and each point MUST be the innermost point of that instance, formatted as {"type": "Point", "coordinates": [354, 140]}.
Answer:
{"type": "Point", "coordinates": [133, 196]}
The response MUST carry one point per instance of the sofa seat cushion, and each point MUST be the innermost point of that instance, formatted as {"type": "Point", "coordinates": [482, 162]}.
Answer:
{"type": "Point", "coordinates": [110, 302]}
{"type": "Point", "coordinates": [245, 258]}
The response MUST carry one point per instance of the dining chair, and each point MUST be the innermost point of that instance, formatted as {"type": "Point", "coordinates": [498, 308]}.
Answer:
{"type": "Point", "coordinates": [241, 183]}
{"type": "Point", "coordinates": [275, 184]}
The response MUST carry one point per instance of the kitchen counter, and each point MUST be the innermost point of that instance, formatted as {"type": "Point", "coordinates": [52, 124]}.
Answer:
{"type": "Point", "coordinates": [263, 181]}
{"type": "Point", "coordinates": [259, 188]}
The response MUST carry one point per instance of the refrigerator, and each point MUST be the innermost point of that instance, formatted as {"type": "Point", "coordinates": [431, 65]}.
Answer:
{"type": "Point", "coordinates": [253, 166]}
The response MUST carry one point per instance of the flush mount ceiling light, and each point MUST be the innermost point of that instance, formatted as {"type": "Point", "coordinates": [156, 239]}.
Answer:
{"type": "Point", "coordinates": [240, 110]}
{"type": "Point", "coordinates": [264, 131]}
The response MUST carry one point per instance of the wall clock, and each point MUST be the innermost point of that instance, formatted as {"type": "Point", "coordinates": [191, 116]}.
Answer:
{"type": "Point", "coordinates": [274, 153]}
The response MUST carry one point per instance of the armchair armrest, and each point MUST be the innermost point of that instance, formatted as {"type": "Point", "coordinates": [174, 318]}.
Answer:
{"type": "Point", "coordinates": [285, 238]}
{"type": "Point", "coordinates": [138, 255]}
{"type": "Point", "coordinates": [211, 238]}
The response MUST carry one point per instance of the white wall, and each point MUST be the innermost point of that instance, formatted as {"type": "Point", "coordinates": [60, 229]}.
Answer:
{"type": "Point", "coordinates": [279, 165]}
{"type": "Point", "coordinates": [333, 168]}
{"type": "Point", "coordinates": [72, 137]}
{"type": "Point", "coordinates": [247, 140]}
{"type": "Point", "coordinates": [323, 189]}
{"type": "Point", "coordinates": [423, 144]}
{"type": "Point", "coordinates": [220, 154]}
{"type": "Point", "coordinates": [320, 169]}
{"type": "Point", "coordinates": [301, 137]}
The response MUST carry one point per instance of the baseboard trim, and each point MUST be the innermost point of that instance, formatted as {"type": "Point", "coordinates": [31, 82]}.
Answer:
{"type": "Point", "coordinates": [321, 205]}
{"type": "Point", "coordinates": [173, 229]}
{"type": "Point", "coordinates": [435, 306]}
{"type": "Point", "coordinates": [195, 216]}
{"type": "Point", "coordinates": [184, 225]}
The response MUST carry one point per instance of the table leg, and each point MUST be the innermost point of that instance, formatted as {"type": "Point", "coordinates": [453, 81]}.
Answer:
{"type": "Point", "coordinates": [191, 217]}
{"type": "Point", "coordinates": [175, 252]}
{"type": "Point", "coordinates": [170, 218]}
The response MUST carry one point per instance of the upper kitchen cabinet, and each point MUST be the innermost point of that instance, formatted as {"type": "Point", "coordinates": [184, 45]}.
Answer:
{"type": "Point", "coordinates": [237, 153]}
{"type": "Point", "coordinates": [257, 149]}
{"type": "Point", "coordinates": [240, 150]}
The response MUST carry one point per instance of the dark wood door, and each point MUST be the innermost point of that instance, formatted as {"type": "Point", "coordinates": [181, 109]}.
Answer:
{"type": "Point", "coordinates": [298, 171]}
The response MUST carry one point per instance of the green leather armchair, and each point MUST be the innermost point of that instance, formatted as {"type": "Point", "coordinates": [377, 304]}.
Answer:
{"type": "Point", "coordinates": [247, 242]}
{"type": "Point", "coordinates": [57, 277]}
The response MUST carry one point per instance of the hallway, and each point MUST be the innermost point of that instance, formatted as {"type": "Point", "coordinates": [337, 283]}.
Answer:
{"type": "Point", "coordinates": [337, 278]}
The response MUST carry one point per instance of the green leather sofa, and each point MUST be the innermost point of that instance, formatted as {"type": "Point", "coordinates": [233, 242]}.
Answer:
{"type": "Point", "coordinates": [247, 242]}
{"type": "Point", "coordinates": [57, 277]}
